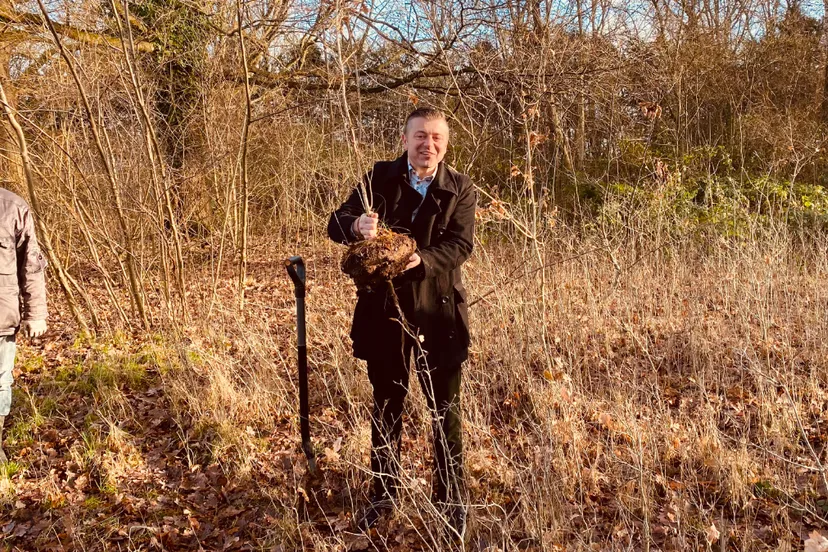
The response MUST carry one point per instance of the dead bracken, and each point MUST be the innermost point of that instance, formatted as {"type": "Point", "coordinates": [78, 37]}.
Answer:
{"type": "Point", "coordinates": [373, 262]}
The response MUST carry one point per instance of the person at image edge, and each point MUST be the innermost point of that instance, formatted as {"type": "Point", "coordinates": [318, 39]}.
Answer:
{"type": "Point", "coordinates": [22, 291]}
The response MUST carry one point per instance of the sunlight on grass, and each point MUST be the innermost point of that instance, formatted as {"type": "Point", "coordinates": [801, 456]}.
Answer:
{"type": "Point", "coordinates": [7, 487]}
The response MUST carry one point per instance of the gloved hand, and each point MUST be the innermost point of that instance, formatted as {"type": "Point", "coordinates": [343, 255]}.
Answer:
{"type": "Point", "coordinates": [33, 328]}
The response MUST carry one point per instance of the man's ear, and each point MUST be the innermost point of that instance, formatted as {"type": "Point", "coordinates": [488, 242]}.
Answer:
{"type": "Point", "coordinates": [404, 140]}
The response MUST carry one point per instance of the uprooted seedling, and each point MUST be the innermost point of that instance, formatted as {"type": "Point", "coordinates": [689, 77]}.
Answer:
{"type": "Point", "coordinates": [373, 262]}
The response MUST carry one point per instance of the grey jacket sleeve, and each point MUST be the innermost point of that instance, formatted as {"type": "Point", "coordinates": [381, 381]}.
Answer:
{"type": "Point", "coordinates": [31, 269]}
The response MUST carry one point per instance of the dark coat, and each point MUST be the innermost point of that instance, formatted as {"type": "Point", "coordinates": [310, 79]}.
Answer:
{"type": "Point", "coordinates": [431, 295]}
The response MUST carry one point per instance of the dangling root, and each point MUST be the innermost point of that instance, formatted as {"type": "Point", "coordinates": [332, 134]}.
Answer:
{"type": "Point", "coordinates": [374, 263]}
{"type": "Point", "coordinates": [419, 352]}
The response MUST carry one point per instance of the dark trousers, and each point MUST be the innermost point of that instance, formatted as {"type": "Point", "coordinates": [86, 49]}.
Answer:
{"type": "Point", "coordinates": [441, 387]}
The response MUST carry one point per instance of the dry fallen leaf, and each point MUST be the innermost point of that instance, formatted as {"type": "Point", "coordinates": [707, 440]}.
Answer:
{"type": "Point", "coordinates": [816, 543]}
{"type": "Point", "coordinates": [607, 422]}
{"type": "Point", "coordinates": [712, 533]}
{"type": "Point", "coordinates": [357, 542]}
{"type": "Point", "coordinates": [331, 455]}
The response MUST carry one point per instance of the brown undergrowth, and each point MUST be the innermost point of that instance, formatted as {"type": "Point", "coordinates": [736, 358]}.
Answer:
{"type": "Point", "coordinates": [668, 400]}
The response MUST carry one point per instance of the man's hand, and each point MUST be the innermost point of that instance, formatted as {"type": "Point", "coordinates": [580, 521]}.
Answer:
{"type": "Point", "coordinates": [366, 226]}
{"type": "Point", "coordinates": [413, 261]}
{"type": "Point", "coordinates": [33, 328]}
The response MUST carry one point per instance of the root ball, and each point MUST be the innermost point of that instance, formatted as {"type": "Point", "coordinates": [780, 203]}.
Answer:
{"type": "Point", "coordinates": [373, 262]}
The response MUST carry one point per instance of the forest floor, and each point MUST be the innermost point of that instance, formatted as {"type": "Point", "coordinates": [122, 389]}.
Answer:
{"type": "Point", "coordinates": [671, 411]}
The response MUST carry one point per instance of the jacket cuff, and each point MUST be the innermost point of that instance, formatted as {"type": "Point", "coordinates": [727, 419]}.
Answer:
{"type": "Point", "coordinates": [352, 233]}
{"type": "Point", "coordinates": [422, 270]}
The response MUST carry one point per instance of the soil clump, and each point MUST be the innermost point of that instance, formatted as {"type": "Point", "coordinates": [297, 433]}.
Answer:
{"type": "Point", "coordinates": [373, 262]}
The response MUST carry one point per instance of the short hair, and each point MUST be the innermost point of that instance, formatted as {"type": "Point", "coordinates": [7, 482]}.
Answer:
{"type": "Point", "coordinates": [427, 113]}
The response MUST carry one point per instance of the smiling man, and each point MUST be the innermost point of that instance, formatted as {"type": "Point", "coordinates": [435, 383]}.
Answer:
{"type": "Point", "coordinates": [420, 195]}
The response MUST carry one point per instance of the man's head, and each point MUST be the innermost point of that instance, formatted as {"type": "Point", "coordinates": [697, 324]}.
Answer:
{"type": "Point", "coordinates": [425, 138]}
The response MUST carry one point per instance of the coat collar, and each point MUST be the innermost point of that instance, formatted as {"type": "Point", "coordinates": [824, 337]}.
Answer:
{"type": "Point", "coordinates": [443, 180]}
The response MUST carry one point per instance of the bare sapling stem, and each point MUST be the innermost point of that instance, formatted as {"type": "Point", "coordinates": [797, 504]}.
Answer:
{"type": "Point", "coordinates": [45, 236]}
{"type": "Point", "coordinates": [136, 291]}
{"type": "Point", "coordinates": [244, 176]}
{"type": "Point", "coordinates": [164, 200]}
{"type": "Point", "coordinates": [365, 194]}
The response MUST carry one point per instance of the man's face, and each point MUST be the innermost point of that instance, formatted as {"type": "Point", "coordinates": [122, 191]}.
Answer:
{"type": "Point", "coordinates": [426, 142]}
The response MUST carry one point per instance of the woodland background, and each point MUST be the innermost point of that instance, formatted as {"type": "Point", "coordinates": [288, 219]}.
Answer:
{"type": "Point", "coordinates": [648, 368]}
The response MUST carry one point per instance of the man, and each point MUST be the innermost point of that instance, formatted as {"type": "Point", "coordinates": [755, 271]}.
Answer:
{"type": "Point", "coordinates": [420, 195]}
{"type": "Point", "coordinates": [22, 290]}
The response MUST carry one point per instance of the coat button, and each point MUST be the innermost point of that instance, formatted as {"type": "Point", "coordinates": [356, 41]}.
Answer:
{"type": "Point", "coordinates": [444, 299]}
{"type": "Point", "coordinates": [451, 335]}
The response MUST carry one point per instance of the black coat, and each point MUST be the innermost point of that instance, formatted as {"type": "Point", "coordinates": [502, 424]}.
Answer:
{"type": "Point", "coordinates": [431, 295]}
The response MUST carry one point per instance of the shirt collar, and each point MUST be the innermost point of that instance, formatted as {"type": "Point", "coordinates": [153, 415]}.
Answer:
{"type": "Point", "coordinates": [413, 172]}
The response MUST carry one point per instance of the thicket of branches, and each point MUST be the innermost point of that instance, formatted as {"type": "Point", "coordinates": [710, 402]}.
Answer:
{"type": "Point", "coordinates": [159, 137]}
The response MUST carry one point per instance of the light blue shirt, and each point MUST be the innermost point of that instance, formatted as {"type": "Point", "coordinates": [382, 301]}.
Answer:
{"type": "Point", "coordinates": [419, 184]}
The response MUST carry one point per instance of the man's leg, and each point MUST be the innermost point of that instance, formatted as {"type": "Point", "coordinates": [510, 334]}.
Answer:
{"type": "Point", "coordinates": [390, 387]}
{"type": "Point", "coordinates": [441, 387]}
{"type": "Point", "coordinates": [389, 379]}
{"type": "Point", "coordinates": [8, 349]}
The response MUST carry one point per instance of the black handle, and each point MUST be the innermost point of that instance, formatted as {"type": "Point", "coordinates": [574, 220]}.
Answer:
{"type": "Point", "coordinates": [296, 270]}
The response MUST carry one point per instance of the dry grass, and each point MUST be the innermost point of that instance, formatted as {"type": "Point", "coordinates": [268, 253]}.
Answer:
{"type": "Point", "coordinates": [629, 398]}
{"type": "Point", "coordinates": [605, 409]}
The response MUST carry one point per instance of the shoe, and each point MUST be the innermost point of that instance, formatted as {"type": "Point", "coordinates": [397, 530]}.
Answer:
{"type": "Point", "coordinates": [376, 509]}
